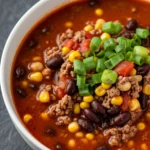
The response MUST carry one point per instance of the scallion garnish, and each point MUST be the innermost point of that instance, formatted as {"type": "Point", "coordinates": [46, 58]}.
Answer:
{"type": "Point", "coordinates": [140, 50]}
{"type": "Point", "coordinates": [139, 60]}
{"type": "Point", "coordinates": [109, 44]}
{"type": "Point", "coordinates": [95, 45]}
{"type": "Point", "coordinates": [81, 81]}
{"type": "Point", "coordinates": [89, 63]}
{"type": "Point", "coordinates": [79, 67]}
{"type": "Point", "coordinates": [142, 33]}
{"type": "Point", "coordinates": [96, 78]}
{"type": "Point", "coordinates": [100, 65]}
{"type": "Point", "coordinates": [85, 90]}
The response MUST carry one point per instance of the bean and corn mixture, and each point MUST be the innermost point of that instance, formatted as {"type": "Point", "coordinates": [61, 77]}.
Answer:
{"type": "Point", "coordinates": [87, 87]}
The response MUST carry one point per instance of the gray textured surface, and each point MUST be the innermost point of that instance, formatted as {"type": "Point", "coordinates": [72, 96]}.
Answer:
{"type": "Point", "coordinates": [10, 13]}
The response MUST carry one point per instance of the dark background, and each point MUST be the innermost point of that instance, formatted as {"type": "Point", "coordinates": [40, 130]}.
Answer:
{"type": "Point", "coordinates": [10, 12]}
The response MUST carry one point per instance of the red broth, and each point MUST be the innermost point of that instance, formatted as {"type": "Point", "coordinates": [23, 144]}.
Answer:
{"type": "Point", "coordinates": [45, 33]}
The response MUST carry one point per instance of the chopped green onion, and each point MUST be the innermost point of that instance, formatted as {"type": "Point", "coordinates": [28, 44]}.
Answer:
{"type": "Point", "coordinates": [89, 63]}
{"type": "Point", "coordinates": [111, 27]}
{"type": "Point", "coordinates": [141, 51]}
{"type": "Point", "coordinates": [142, 33]}
{"type": "Point", "coordinates": [109, 54]}
{"type": "Point", "coordinates": [95, 45]}
{"type": "Point", "coordinates": [81, 81]}
{"type": "Point", "coordinates": [109, 77]}
{"type": "Point", "coordinates": [117, 27]}
{"type": "Point", "coordinates": [108, 64]}
{"type": "Point", "coordinates": [148, 60]}
{"type": "Point", "coordinates": [139, 60]}
{"type": "Point", "coordinates": [125, 43]}
{"type": "Point", "coordinates": [108, 27]}
{"type": "Point", "coordinates": [96, 78]}
{"type": "Point", "coordinates": [136, 41]}
{"type": "Point", "coordinates": [85, 90]}
{"type": "Point", "coordinates": [129, 56]}
{"type": "Point", "coordinates": [109, 44]}
{"type": "Point", "coordinates": [119, 48]}
{"type": "Point", "coordinates": [113, 61]}
{"type": "Point", "coordinates": [79, 67]}
{"type": "Point", "coordinates": [101, 54]}
{"type": "Point", "coordinates": [100, 65]}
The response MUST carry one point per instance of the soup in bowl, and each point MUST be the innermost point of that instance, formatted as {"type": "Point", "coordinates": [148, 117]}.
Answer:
{"type": "Point", "coordinates": [80, 78]}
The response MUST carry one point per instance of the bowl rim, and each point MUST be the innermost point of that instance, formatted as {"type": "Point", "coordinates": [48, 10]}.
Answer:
{"type": "Point", "coordinates": [15, 119]}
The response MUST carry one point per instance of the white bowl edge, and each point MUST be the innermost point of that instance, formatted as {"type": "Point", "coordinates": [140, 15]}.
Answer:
{"type": "Point", "coordinates": [31, 17]}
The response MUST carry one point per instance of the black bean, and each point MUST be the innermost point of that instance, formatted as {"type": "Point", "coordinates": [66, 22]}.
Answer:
{"type": "Point", "coordinates": [32, 43]}
{"type": "Point", "coordinates": [55, 62]}
{"type": "Point", "coordinates": [71, 88]}
{"type": "Point", "coordinates": [85, 125]}
{"type": "Point", "coordinates": [146, 42]}
{"type": "Point", "coordinates": [102, 148]}
{"type": "Point", "coordinates": [91, 115]}
{"type": "Point", "coordinates": [97, 107]}
{"type": "Point", "coordinates": [50, 132]}
{"type": "Point", "coordinates": [93, 3]}
{"type": "Point", "coordinates": [127, 34]}
{"type": "Point", "coordinates": [105, 125]}
{"type": "Point", "coordinates": [142, 70]}
{"type": "Point", "coordinates": [60, 146]}
{"type": "Point", "coordinates": [122, 119]}
{"type": "Point", "coordinates": [114, 110]}
{"type": "Point", "coordinates": [20, 72]}
{"type": "Point", "coordinates": [143, 101]}
{"type": "Point", "coordinates": [21, 92]}
{"type": "Point", "coordinates": [132, 24]}
{"type": "Point", "coordinates": [33, 86]}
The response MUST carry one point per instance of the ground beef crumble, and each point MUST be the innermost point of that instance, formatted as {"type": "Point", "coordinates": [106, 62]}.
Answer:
{"type": "Point", "coordinates": [63, 107]}
{"type": "Point", "coordinates": [117, 136]}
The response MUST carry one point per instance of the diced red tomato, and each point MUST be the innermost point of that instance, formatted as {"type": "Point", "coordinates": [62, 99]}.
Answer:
{"type": "Point", "coordinates": [60, 93]}
{"type": "Point", "coordinates": [69, 43]}
{"type": "Point", "coordinates": [126, 99]}
{"type": "Point", "coordinates": [124, 68]}
{"type": "Point", "coordinates": [88, 35]}
{"type": "Point", "coordinates": [75, 46]}
{"type": "Point", "coordinates": [85, 45]}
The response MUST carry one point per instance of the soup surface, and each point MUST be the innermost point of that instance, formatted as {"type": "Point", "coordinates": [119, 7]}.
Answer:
{"type": "Point", "coordinates": [72, 46]}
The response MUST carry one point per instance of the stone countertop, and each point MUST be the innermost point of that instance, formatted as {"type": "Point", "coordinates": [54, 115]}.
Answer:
{"type": "Point", "coordinates": [10, 12]}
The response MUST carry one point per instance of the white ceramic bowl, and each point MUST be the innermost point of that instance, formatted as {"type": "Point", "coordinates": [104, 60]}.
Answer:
{"type": "Point", "coordinates": [38, 11]}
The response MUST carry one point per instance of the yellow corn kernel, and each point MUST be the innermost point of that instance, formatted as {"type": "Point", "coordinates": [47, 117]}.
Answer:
{"type": "Point", "coordinates": [27, 118]}
{"type": "Point", "coordinates": [36, 77]}
{"type": "Point", "coordinates": [99, 91]}
{"type": "Point", "coordinates": [88, 28]}
{"type": "Point", "coordinates": [124, 87]}
{"type": "Point", "coordinates": [134, 105]}
{"type": "Point", "coordinates": [44, 96]}
{"type": "Point", "coordinates": [36, 66]}
{"type": "Point", "coordinates": [141, 126]}
{"type": "Point", "coordinates": [105, 86]}
{"type": "Point", "coordinates": [37, 58]}
{"type": "Point", "coordinates": [88, 99]}
{"type": "Point", "coordinates": [73, 127]}
{"type": "Point", "coordinates": [105, 36]}
{"type": "Point", "coordinates": [74, 55]}
{"type": "Point", "coordinates": [99, 12]}
{"type": "Point", "coordinates": [133, 72]}
{"type": "Point", "coordinates": [144, 146]}
{"type": "Point", "coordinates": [84, 105]}
{"type": "Point", "coordinates": [131, 144]}
{"type": "Point", "coordinates": [65, 50]}
{"type": "Point", "coordinates": [89, 136]}
{"type": "Point", "coordinates": [148, 116]}
{"type": "Point", "coordinates": [99, 24]}
{"type": "Point", "coordinates": [76, 109]}
{"type": "Point", "coordinates": [68, 24]}
{"type": "Point", "coordinates": [79, 135]}
{"type": "Point", "coordinates": [44, 116]}
{"type": "Point", "coordinates": [117, 100]}
{"type": "Point", "coordinates": [24, 83]}
{"type": "Point", "coordinates": [71, 143]}
{"type": "Point", "coordinates": [84, 140]}
{"type": "Point", "coordinates": [146, 89]}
